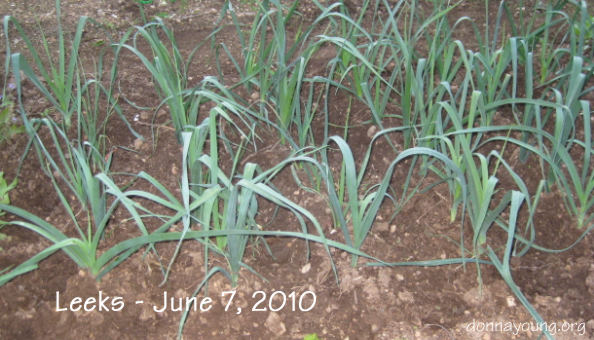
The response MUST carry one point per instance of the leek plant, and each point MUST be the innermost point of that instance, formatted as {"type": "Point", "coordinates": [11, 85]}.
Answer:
{"type": "Point", "coordinates": [61, 75]}
{"type": "Point", "coordinates": [235, 207]}
{"type": "Point", "coordinates": [60, 79]}
{"type": "Point", "coordinates": [412, 79]}
{"type": "Point", "coordinates": [272, 64]}
{"type": "Point", "coordinates": [63, 83]}
{"type": "Point", "coordinates": [385, 70]}
{"type": "Point", "coordinates": [502, 265]}
{"type": "Point", "coordinates": [575, 180]}
{"type": "Point", "coordinates": [481, 175]}
{"type": "Point", "coordinates": [72, 169]}
{"type": "Point", "coordinates": [362, 206]}
{"type": "Point", "coordinates": [168, 69]}
{"type": "Point", "coordinates": [166, 66]}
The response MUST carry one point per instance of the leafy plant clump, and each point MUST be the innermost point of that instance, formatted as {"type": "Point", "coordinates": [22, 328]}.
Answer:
{"type": "Point", "coordinates": [9, 126]}
{"type": "Point", "coordinates": [5, 188]}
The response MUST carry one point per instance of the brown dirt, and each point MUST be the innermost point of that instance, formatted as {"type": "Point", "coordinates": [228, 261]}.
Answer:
{"type": "Point", "coordinates": [369, 303]}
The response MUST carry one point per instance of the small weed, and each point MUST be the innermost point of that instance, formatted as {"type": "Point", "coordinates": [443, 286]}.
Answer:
{"type": "Point", "coordinates": [5, 189]}
{"type": "Point", "coordinates": [8, 122]}
{"type": "Point", "coordinates": [2, 238]}
{"type": "Point", "coordinates": [587, 28]}
{"type": "Point", "coordinates": [252, 4]}
{"type": "Point", "coordinates": [150, 2]}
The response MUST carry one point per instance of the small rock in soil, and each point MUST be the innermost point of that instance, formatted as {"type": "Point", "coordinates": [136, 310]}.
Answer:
{"type": "Point", "coordinates": [406, 296]}
{"type": "Point", "coordinates": [392, 228]}
{"type": "Point", "coordinates": [474, 297]}
{"type": "Point", "coordinates": [275, 324]}
{"type": "Point", "coordinates": [162, 113]}
{"type": "Point", "coordinates": [384, 278]}
{"type": "Point", "coordinates": [511, 301]}
{"type": "Point", "coordinates": [590, 325]}
{"type": "Point", "coordinates": [382, 226]}
{"type": "Point", "coordinates": [590, 282]}
{"type": "Point", "coordinates": [371, 131]}
{"type": "Point", "coordinates": [138, 143]}
{"type": "Point", "coordinates": [305, 269]}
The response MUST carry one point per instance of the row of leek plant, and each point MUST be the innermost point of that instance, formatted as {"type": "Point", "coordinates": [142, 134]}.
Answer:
{"type": "Point", "coordinates": [62, 81]}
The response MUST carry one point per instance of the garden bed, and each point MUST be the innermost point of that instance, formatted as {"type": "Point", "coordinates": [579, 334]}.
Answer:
{"type": "Point", "coordinates": [287, 249]}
